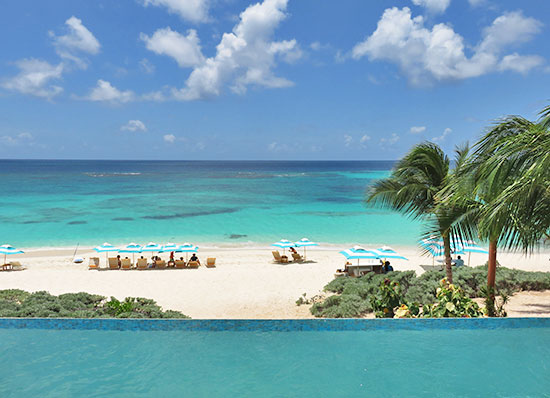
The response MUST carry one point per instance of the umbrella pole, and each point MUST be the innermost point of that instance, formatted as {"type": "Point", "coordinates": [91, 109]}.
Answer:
{"type": "Point", "coordinates": [304, 252]}
{"type": "Point", "coordinates": [469, 256]}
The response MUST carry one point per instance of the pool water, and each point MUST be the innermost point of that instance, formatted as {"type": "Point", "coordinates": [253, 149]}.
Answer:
{"type": "Point", "coordinates": [374, 363]}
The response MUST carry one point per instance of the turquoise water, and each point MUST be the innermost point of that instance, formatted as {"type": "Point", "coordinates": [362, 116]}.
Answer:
{"type": "Point", "coordinates": [61, 203]}
{"type": "Point", "coordinates": [383, 363]}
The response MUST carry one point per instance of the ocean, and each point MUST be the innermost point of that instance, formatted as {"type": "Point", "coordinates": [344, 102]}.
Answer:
{"type": "Point", "coordinates": [59, 203]}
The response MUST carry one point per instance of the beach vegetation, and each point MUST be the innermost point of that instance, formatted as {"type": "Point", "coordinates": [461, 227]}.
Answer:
{"type": "Point", "coordinates": [352, 297]}
{"type": "Point", "coordinates": [414, 189]}
{"type": "Point", "coordinates": [504, 189]}
{"type": "Point", "coordinates": [18, 303]}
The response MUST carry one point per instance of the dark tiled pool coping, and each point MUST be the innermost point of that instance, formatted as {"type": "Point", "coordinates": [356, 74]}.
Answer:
{"type": "Point", "coordinates": [282, 325]}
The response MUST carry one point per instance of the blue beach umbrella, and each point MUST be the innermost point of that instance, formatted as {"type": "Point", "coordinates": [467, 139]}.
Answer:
{"type": "Point", "coordinates": [469, 246]}
{"type": "Point", "coordinates": [106, 248]}
{"type": "Point", "coordinates": [387, 252]}
{"type": "Point", "coordinates": [170, 247]}
{"type": "Point", "coordinates": [359, 253]}
{"type": "Point", "coordinates": [131, 248]}
{"type": "Point", "coordinates": [188, 248]}
{"type": "Point", "coordinates": [9, 249]}
{"type": "Point", "coordinates": [305, 242]}
{"type": "Point", "coordinates": [151, 247]}
{"type": "Point", "coordinates": [284, 244]}
{"type": "Point", "coordinates": [435, 247]}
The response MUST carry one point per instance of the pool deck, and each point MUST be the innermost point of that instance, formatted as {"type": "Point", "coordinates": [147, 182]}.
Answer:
{"type": "Point", "coordinates": [261, 325]}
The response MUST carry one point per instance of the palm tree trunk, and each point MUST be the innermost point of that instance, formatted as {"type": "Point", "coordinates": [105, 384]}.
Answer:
{"type": "Point", "coordinates": [447, 252]}
{"type": "Point", "coordinates": [492, 267]}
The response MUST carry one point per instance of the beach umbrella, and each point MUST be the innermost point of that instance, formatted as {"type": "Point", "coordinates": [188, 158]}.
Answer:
{"type": "Point", "coordinates": [305, 242]}
{"type": "Point", "coordinates": [9, 249]}
{"type": "Point", "coordinates": [435, 247]}
{"type": "Point", "coordinates": [170, 247]}
{"type": "Point", "coordinates": [106, 248]}
{"type": "Point", "coordinates": [131, 248]}
{"type": "Point", "coordinates": [188, 248]}
{"type": "Point", "coordinates": [469, 246]}
{"type": "Point", "coordinates": [284, 244]}
{"type": "Point", "coordinates": [151, 247]}
{"type": "Point", "coordinates": [387, 252]}
{"type": "Point", "coordinates": [358, 253]}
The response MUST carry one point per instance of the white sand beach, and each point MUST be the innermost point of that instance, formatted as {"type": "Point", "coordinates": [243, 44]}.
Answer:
{"type": "Point", "coordinates": [245, 284]}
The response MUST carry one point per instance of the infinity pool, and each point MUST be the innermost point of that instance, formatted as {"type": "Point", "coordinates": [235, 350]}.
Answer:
{"type": "Point", "coordinates": [502, 362]}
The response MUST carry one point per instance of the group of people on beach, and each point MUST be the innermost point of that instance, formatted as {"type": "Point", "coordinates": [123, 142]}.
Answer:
{"type": "Point", "coordinates": [155, 259]}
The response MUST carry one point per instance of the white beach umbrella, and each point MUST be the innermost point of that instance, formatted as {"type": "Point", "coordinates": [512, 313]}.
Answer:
{"type": "Point", "coordinates": [106, 248]}
{"type": "Point", "coordinates": [9, 249]}
{"type": "Point", "coordinates": [284, 244]}
{"type": "Point", "coordinates": [188, 248]}
{"type": "Point", "coordinates": [169, 247]}
{"type": "Point", "coordinates": [469, 246]}
{"type": "Point", "coordinates": [131, 248]}
{"type": "Point", "coordinates": [151, 247]}
{"type": "Point", "coordinates": [385, 252]}
{"type": "Point", "coordinates": [359, 253]}
{"type": "Point", "coordinates": [305, 242]}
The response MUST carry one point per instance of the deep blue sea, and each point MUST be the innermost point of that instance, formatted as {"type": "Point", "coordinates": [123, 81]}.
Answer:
{"type": "Point", "coordinates": [61, 203]}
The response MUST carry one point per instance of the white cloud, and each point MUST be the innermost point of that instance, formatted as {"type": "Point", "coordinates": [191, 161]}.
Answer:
{"type": "Point", "coordinates": [104, 91]}
{"type": "Point", "coordinates": [364, 140]}
{"type": "Point", "coordinates": [170, 138]}
{"type": "Point", "coordinates": [417, 129]}
{"type": "Point", "coordinates": [315, 46]}
{"type": "Point", "coordinates": [13, 140]}
{"type": "Point", "coordinates": [190, 10]}
{"type": "Point", "coordinates": [348, 139]}
{"type": "Point", "coordinates": [78, 39]}
{"type": "Point", "coordinates": [34, 78]}
{"type": "Point", "coordinates": [244, 57]}
{"type": "Point", "coordinates": [442, 137]}
{"type": "Point", "coordinates": [185, 50]}
{"type": "Point", "coordinates": [277, 147]}
{"type": "Point", "coordinates": [520, 63]}
{"type": "Point", "coordinates": [392, 139]}
{"type": "Point", "coordinates": [433, 6]}
{"type": "Point", "coordinates": [134, 125]}
{"type": "Point", "coordinates": [147, 66]}
{"type": "Point", "coordinates": [426, 56]}
{"type": "Point", "coordinates": [476, 3]}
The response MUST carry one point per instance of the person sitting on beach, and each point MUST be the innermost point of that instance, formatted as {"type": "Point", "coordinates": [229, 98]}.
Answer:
{"type": "Point", "coordinates": [195, 258]}
{"type": "Point", "coordinates": [459, 262]}
{"type": "Point", "coordinates": [119, 261]}
{"type": "Point", "coordinates": [152, 265]}
{"type": "Point", "coordinates": [387, 267]}
{"type": "Point", "coordinates": [293, 250]}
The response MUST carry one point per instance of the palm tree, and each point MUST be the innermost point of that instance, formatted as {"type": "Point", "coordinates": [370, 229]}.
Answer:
{"type": "Point", "coordinates": [507, 180]}
{"type": "Point", "coordinates": [413, 189]}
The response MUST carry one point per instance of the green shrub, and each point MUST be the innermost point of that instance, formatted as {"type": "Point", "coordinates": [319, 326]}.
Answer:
{"type": "Point", "coordinates": [18, 303]}
{"type": "Point", "coordinates": [389, 297]}
{"type": "Point", "coordinates": [452, 303]}
{"type": "Point", "coordinates": [353, 295]}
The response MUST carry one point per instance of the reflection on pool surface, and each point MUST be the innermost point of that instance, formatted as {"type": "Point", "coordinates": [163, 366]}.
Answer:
{"type": "Point", "coordinates": [392, 363]}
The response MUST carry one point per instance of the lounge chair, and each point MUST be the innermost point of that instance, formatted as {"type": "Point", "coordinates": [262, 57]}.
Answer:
{"type": "Point", "coordinates": [142, 263]}
{"type": "Point", "coordinates": [113, 263]}
{"type": "Point", "coordinates": [193, 264]}
{"type": "Point", "coordinates": [126, 264]}
{"type": "Point", "coordinates": [161, 264]}
{"type": "Point", "coordinates": [279, 258]}
{"type": "Point", "coordinates": [94, 263]}
{"type": "Point", "coordinates": [210, 262]}
{"type": "Point", "coordinates": [297, 257]}
{"type": "Point", "coordinates": [16, 266]}
{"type": "Point", "coordinates": [180, 264]}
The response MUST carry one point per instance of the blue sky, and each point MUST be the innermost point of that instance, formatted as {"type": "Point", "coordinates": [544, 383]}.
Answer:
{"type": "Point", "coordinates": [278, 79]}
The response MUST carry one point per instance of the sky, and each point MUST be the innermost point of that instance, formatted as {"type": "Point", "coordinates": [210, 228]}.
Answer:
{"type": "Point", "coordinates": [274, 80]}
